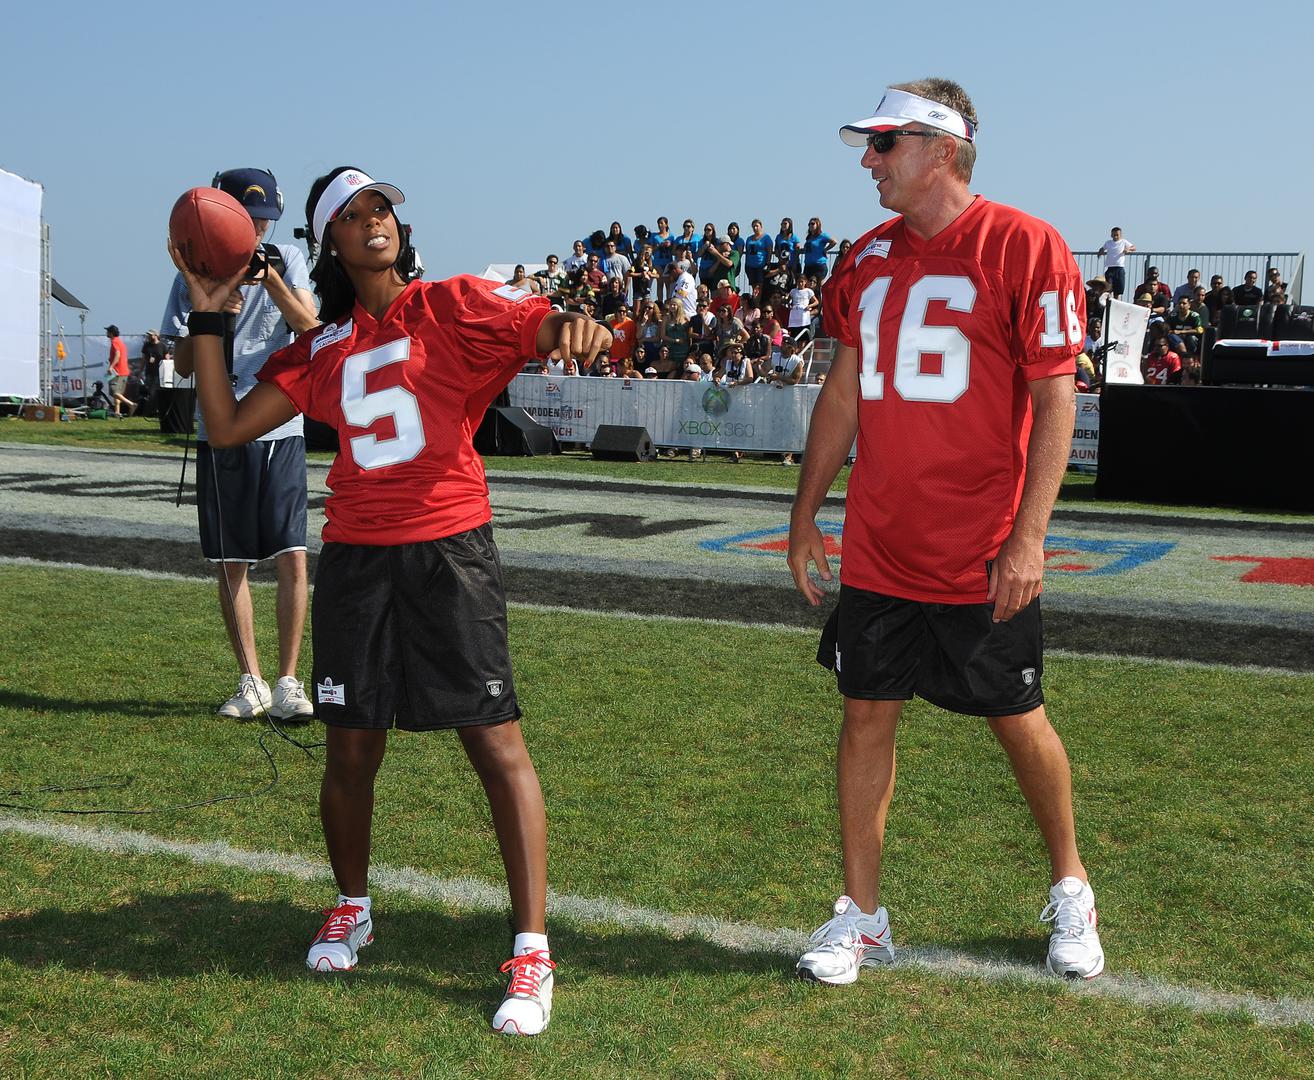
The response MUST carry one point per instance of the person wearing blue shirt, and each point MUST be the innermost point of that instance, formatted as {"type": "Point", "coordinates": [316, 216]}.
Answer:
{"type": "Point", "coordinates": [623, 243]}
{"type": "Point", "coordinates": [736, 241]}
{"type": "Point", "coordinates": [816, 245]}
{"type": "Point", "coordinates": [757, 253]}
{"type": "Point", "coordinates": [708, 265]}
{"type": "Point", "coordinates": [787, 244]}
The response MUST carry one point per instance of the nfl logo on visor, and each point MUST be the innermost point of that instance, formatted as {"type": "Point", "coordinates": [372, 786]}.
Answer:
{"type": "Point", "coordinates": [494, 687]}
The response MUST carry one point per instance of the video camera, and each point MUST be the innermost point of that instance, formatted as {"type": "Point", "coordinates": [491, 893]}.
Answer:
{"type": "Point", "coordinates": [265, 257]}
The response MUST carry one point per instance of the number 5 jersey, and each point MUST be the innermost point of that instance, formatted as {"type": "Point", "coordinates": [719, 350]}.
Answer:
{"type": "Point", "coordinates": [948, 333]}
{"type": "Point", "coordinates": [405, 394]}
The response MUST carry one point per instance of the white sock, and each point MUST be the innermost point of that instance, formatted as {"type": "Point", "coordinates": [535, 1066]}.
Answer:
{"type": "Point", "coordinates": [529, 943]}
{"type": "Point", "coordinates": [360, 901]}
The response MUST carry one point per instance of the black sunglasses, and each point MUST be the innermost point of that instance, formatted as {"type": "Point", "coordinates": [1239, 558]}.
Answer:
{"type": "Point", "coordinates": [883, 141]}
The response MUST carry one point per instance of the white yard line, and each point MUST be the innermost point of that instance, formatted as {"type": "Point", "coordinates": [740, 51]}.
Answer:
{"type": "Point", "coordinates": [636, 616]}
{"type": "Point", "coordinates": [470, 894]}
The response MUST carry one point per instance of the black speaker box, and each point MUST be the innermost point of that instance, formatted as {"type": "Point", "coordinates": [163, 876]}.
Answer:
{"type": "Point", "coordinates": [176, 408]}
{"type": "Point", "coordinates": [320, 436]}
{"type": "Point", "coordinates": [1223, 445]}
{"type": "Point", "coordinates": [511, 432]}
{"type": "Point", "coordinates": [618, 442]}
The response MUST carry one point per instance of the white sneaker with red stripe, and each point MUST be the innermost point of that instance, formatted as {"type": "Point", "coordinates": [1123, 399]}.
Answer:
{"type": "Point", "coordinates": [527, 1006]}
{"type": "Point", "coordinates": [1074, 944]}
{"type": "Point", "coordinates": [348, 929]}
{"type": "Point", "coordinates": [851, 940]}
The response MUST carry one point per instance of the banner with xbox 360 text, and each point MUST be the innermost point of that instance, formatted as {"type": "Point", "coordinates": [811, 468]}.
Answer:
{"type": "Point", "coordinates": [681, 414]}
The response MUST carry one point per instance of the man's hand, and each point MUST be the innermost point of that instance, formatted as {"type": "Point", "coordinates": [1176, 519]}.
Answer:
{"type": "Point", "coordinates": [807, 545]}
{"type": "Point", "coordinates": [1015, 576]}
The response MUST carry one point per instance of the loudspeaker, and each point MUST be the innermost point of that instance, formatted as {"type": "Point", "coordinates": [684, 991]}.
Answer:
{"type": "Point", "coordinates": [617, 442]}
{"type": "Point", "coordinates": [511, 432]}
{"type": "Point", "coordinates": [176, 408]}
{"type": "Point", "coordinates": [320, 436]}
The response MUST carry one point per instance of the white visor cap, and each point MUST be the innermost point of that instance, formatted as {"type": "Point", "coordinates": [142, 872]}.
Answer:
{"type": "Point", "coordinates": [341, 190]}
{"type": "Point", "coordinates": [898, 108]}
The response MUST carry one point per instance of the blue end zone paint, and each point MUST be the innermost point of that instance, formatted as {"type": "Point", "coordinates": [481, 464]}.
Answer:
{"type": "Point", "coordinates": [1123, 555]}
{"type": "Point", "coordinates": [834, 529]}
{"type": "Point", "coordinates": [1129, 553]}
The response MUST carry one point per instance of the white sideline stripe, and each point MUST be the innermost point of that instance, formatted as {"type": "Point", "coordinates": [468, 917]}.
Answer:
{"type": "Point", "coordinates": [471, 894]}
{"type": "Point", "coordinates": [636, 616]}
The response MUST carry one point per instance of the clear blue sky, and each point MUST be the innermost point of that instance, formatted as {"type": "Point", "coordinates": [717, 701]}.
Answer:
{"type": "Point", "coordinates": [514, 128]}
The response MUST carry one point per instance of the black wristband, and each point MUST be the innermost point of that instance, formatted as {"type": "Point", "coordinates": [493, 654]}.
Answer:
{"type": "Point", "coordinates": [205, 322]}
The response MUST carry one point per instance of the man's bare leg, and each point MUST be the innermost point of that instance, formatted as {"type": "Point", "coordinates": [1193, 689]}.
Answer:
{"type": "Point", "coordinates": [239, 616]}
{"type": "Point", "coordinates": [291, 609]}
{"type": "Point", "coordinates": [865, 774]}
{"type": "Point", "coordinates": [1041, 767]}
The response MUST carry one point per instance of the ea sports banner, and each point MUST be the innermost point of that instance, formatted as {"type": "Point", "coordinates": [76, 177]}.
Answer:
{"type": "Point", "coordinates": [676, 413]}
{"type": "Point", "coordinates": [1085, 453]}
{"type": "Point", "coordinates": [1125, 332]}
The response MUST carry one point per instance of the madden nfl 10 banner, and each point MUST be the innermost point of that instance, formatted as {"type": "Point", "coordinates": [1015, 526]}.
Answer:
{"type": "Point", "coordinates": [1085, 454]}
{"type": "Point", "coordinates": [676, 413]}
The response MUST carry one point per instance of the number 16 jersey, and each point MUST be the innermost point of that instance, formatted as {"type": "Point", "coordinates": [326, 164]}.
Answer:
{"type": "Point", "coordinates": [948, 333]}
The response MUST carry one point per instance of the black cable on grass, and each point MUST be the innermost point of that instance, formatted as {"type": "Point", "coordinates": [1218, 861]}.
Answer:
{"type": "Point", "coordinates": [122, 783]}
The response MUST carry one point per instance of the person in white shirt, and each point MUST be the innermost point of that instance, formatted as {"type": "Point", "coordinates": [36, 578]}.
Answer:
{"type": "Point", "coordinates": [685, 289]}
{"type": "Point", "coordinates": [1115, 250]}
{"type": "Point", "coordinates": [577, 259]}
{"type": "Point", "coordinates": [803, 304]}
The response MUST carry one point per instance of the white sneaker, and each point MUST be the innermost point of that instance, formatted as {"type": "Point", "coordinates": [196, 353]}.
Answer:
{"type": "Point", "coordinates": [851, 940]}
{"type": "Point", "coordinates": [290, 701]}
{"type": "Point", "coordinates": [348, 929]}
{"type": "Point", "coordinates": [250, 701]}
{"type": "Point", "coordinates": [1074, 945]}
{"type": "Point", "coordinates": [527, 1006]}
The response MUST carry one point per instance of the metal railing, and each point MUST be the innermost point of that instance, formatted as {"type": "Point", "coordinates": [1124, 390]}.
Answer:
{"type": "Point", "coordinates": [1173, 266]}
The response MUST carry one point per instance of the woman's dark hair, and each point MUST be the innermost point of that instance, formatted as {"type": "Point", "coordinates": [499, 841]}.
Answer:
{"type": "Point", "coordinates": [337, 294]}
{"type": "Point", "coordinates": [615, 230]}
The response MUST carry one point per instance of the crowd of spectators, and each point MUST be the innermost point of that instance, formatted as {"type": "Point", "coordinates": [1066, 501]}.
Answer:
{"type": "Point", "coordinates": [1179, 317]}
{"type": "Point", "coordinates": [711, 307]}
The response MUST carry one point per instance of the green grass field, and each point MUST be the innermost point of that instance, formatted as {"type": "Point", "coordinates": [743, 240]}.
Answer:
{"type": "Point", "coordinates": [688, 769]}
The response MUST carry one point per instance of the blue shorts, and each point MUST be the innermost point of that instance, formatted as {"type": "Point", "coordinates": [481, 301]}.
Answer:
{"type": "Point", "coordinates": [251, 500]}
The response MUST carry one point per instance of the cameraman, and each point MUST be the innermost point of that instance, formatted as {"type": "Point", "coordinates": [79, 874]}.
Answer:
{"type": "Point", "coordinates": [251, 500]}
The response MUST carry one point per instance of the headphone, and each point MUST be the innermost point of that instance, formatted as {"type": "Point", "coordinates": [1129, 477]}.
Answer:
{"type": "Point", "coordinates": [278, 192]}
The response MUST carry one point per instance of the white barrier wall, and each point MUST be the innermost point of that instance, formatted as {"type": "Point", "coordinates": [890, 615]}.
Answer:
{"type": "Point", "coordinates": [688, 414]}
{"type": "Point", "coordinates": [20, 286]}
{"type": "Point", "coordinates": [676, 413]}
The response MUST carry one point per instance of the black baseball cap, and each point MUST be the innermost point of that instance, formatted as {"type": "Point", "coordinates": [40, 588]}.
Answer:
{"type": "Point", "coordinates": [255, 189]}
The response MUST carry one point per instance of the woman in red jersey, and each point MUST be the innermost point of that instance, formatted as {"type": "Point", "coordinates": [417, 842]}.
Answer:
{"type": "Point", "coordinates": [409, 610]}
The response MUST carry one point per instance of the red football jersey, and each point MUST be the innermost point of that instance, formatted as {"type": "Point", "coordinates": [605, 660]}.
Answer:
{"type": "Point", "coordinates": [406, 394]}
{"type": "Point", "coordinates": [948, 332]}
{"type": "Point", "coordinates": [1159, 369]}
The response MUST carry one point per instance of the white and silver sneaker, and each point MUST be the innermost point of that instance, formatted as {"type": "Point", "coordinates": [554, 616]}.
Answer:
{"type": "Point", "coordinates": [851, 940]}
{"type": "Point", "coordinates": [289, 701]}
{"type": "Point", "coordinates": [527, 1006]}
{"type": "Point", "coordinates": [1074, 944]}
{"type": "Point", "coordinates": [347, 930]}
{"type": "Point", "coordinates": [250, 701]}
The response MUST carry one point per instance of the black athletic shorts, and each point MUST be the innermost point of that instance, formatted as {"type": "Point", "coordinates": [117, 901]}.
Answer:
{"type": "Point", "coordinates": [412, 635]}
{"type": "Point", "coordinates": [251, 500]}
{"type": "Point", "coordinates": [883, 648]}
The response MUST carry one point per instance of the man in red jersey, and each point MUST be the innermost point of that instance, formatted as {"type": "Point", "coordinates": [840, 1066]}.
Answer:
{"type": "Point", "coordinates": [959, 323]}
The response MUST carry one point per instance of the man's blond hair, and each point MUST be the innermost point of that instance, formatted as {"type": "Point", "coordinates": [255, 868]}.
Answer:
{"type": "Point", "coordinates": [949, 93]}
